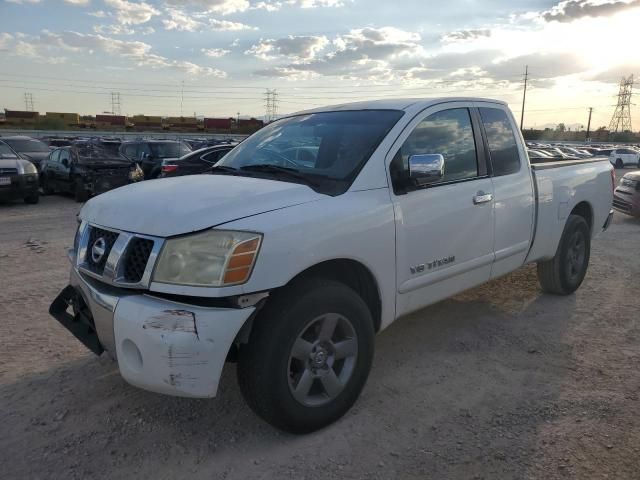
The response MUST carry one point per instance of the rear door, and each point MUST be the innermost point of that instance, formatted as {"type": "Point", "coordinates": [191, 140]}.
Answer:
{"type": "Point", "coordinates": [444, 230]}
{"type": "Point", "coordinates": [64, 169]}
{"type": "Point", "coordinates": [514, 206]}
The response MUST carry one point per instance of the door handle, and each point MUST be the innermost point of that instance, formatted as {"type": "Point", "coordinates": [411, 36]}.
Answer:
{"type": "Point", "coordinates": [482, 197]}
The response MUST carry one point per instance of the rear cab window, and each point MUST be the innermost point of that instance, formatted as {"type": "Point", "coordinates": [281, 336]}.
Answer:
{"type": "Point", "coordinates": [503, 149]}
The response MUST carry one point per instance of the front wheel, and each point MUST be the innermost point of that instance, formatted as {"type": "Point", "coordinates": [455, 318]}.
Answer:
{"type": "Point", "coordinates": [564, 273]}
{"type": "Point", "coordinates": [619, 163]}
{"type": "Point", "coordinates": [32, 199]}
{"type": "Point", "coordinates": [308, 356]}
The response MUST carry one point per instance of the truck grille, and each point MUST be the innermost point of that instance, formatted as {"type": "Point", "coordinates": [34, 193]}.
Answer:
{"type": "Point", "coordinates": [106, 238]}
{"type": "Point", "coordinates": [136, 259]}
{"type": "Point", "coordinates": [131, 256]}
{"type": "Point", "coordinates": [621, 205]}
{"type": "Point", "coordinates": [8, 171]}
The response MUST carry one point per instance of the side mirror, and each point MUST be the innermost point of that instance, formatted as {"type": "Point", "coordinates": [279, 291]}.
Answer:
{"type": "Point", "coordinates": [426, 169]}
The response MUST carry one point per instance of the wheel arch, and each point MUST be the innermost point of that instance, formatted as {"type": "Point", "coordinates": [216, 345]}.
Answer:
{"type": "Point", "coordinates": [584, 210]}
{"type": "Point", "coordinates": [355, 275]}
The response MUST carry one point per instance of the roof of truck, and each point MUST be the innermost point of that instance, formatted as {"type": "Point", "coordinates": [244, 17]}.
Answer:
{"type": "Point", "coordinates": [398, 103]}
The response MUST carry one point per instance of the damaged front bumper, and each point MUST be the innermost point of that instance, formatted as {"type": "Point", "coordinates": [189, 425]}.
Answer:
{"type": "Point", "coordinates": [160, 345]}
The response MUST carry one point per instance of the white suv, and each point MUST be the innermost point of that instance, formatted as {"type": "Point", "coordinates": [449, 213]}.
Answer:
{"type": "Point", "coordinates": [622, 157]}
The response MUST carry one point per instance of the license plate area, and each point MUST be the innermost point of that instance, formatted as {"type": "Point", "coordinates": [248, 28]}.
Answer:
{"type": "Point", "coordinates": [70, 309]}
{"type": "Point", "coordinates": [5, 181]}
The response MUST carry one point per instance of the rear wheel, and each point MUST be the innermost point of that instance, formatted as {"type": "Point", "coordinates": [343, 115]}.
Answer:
{"type": "Point", "coordinates": [619, 163]}
{"type": "Point", "coordinates": [564, 273]}
{"type": "Point", "coordinates": [308, 356]}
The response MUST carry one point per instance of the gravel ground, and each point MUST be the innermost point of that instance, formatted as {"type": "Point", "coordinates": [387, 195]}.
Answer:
{"type": "Point", "coordinates": [499, 382]}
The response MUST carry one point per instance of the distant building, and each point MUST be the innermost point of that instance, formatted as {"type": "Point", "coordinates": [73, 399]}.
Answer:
{"type": "Point", "coordinates": [181, 123]}
{"type": "Point", "coordinates": [146, 122]}
{"type": "Point", "coordinates": [109, 121]}
{"type": "Point", "coordinates": [69, 119]}
{"type": "Point", "coordinates": [218, 123]}
{"type": "Point", "coordinates": [21, 118]}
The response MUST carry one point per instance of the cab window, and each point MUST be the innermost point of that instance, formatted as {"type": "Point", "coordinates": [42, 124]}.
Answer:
{"type": "Point", "coordinates": [503, 150]}
{"type": "Point", "coordinates": [448, 133]}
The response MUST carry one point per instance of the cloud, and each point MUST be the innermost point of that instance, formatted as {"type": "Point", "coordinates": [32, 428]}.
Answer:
{"type": "Point", "coordinates": [98, 14]}
{"type": "Point", "coordinates": [79, 3]}
{"type": "Point", "coordinates": [215, 52]}
{"type": "Point", "coordinates": [224, 7]}
{"type": "Point", "coordinates": [301, 48]}
{"type": "Point", "coordinates": [224, 25]}
{"type": "Point", "coordinates": [122, 30]}
{"type": "Point", "coordinates": [20, 2]}
{"type": "Point", "coordinates": [181, 21]}
{"type": "Point", "coordinates": [41, 47]}
{"type": "Point", "coordinates": [570, 10]}
{"type": "Point", "coordinates": [130, 13]}
{"type": "Point", "coordinates": [361, 53]}
{"type": "Point", "coordinates": [463, 35]}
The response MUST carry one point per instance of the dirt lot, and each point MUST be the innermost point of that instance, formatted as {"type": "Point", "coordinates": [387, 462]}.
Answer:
{"type": "Point", "coordinates": [500, 382]}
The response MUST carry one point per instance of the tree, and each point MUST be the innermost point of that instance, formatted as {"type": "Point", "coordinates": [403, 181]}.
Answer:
{"type": "Point", "coordinates": [561, 127]}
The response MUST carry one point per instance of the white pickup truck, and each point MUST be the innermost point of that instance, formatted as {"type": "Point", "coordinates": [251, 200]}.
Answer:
{"type": "Point", "coordinates": [313, 235]}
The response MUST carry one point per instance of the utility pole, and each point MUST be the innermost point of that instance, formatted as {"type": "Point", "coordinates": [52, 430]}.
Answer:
{"type": "Point", "coordinates": [524, 95]}
{"type": "Point", "coordinates": [589, 124]}
{"type": "Point", "coordinates": [28, 102]}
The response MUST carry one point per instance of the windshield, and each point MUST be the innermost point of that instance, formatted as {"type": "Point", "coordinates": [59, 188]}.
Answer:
{"type": "Point", "coordinates": [6, 152]}
{"type": "Point", "coordinates": [27, 145]}
{"type": "Point", "coordinates": [91, 152]}
{"type": "Point", "coordinates": [169, 150]}
{"type": "Point", "coordinates": [328, 147]}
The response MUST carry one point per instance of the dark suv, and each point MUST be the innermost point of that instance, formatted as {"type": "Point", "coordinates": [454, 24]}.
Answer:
{"type": "Point", "coordinates": [149, 154]}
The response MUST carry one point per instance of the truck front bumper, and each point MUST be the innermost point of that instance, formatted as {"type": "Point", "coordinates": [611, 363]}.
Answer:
{"type": "Point", "coordinates": [160, 345]}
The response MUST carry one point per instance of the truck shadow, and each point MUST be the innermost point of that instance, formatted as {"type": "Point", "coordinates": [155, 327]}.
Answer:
{"type": "Point", "coordinates": [461, 388]}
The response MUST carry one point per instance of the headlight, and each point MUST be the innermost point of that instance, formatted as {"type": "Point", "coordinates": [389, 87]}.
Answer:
{"type": "Point", "coordinates": [29, 168]}
{"type": "Point", "coordinates": [214, 258]}
{"type": "Point", "coordinates": [136, 173]}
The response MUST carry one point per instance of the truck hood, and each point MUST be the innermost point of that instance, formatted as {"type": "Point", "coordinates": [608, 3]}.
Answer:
{"type": "Point", "coordinates": [173, 206]}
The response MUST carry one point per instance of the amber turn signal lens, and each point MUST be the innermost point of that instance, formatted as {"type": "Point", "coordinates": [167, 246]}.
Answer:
{"type": "Point", "coordinates": [237, 276]}
{"type": "Point", "coordinates": [246, 247]}
{"type": "Point", "coordinates": [238, 261]}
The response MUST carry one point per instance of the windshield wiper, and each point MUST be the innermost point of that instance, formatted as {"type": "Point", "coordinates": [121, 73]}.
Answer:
{"type": "Point", "coordinates": [280, 171]}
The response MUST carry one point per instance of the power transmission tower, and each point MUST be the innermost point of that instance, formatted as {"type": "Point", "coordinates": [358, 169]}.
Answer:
{"type": "Point", "coordinates": [271, 105]}
{"type": "Point", "coordinates": [621, 120]}
{"type": "Point", "coordinates": [28, 102]}
{"type": "Point", "coordinates": [115, 103]}
{"type": "Point", "coordinates": [524, 95]}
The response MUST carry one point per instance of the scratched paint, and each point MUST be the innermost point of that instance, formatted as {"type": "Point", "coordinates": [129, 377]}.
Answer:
{"type": "Point", "coordinates": [174, 321]}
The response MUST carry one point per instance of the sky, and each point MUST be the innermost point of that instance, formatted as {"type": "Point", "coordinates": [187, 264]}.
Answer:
{"type": "Point", "coordinates": [217, 58]}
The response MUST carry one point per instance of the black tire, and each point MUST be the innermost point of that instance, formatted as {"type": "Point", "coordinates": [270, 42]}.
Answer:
{"type": "Point", "coordinates": [32, 199]}
{"type": "Point", "coordinates": [619, 163]}
{"type": "Point", "coordinates": [46, 187]}
{"type": "Point", "coordinates": [564, 273]}
{"type": "Point", "coordinates": [265, 362]}
{"type": "Point", "coordinates": [80, 194]}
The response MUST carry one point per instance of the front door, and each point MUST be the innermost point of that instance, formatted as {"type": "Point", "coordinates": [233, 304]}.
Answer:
{"type": "Point", "coordinates": [444, 231]}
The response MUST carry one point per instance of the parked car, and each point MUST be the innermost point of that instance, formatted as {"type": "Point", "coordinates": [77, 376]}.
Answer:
{"type": "Point", "coordinates": [85, 169]}
{"type": "Point", "coordinates": [293, 270]}
{"type": "Point", "coordinates": [18, 177]}
{"type": "Point", "coordinates": [626, 198]}
{"type": "Point", "coordinates": [196, 162]}
{"type": "Point", "coordinates": [28, 148]}
{"type": "Point", "coordinates": [149, 154]}
{"type": "Point", "coordinates": [622, 157]}
{"type": "Point", "coordinates": [539, 156]}
{"type": "Point", "coordinates": [574, 152]}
